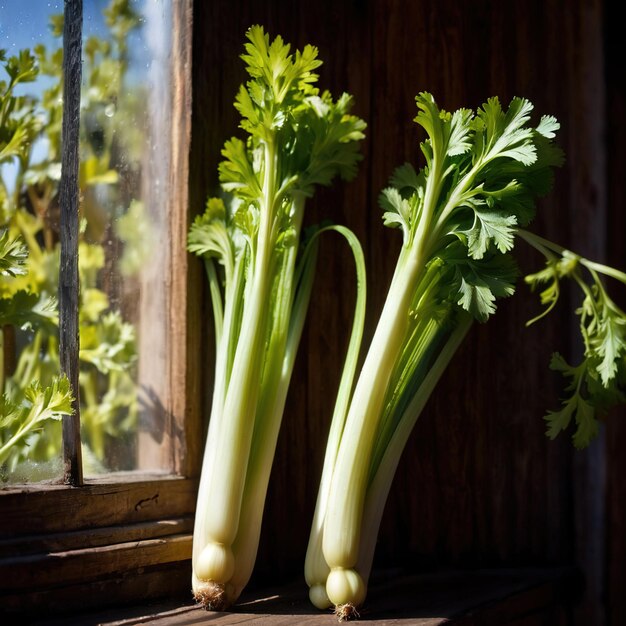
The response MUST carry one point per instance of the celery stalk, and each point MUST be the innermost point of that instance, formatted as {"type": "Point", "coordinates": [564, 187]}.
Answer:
{"type": "Point", "coordinates": [458, 216]}
{"type": "Point", "coordinates": [260, 282]}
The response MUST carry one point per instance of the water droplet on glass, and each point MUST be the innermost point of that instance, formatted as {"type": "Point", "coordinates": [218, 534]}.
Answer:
{"type": "Point", "coordinates": [109, 110]}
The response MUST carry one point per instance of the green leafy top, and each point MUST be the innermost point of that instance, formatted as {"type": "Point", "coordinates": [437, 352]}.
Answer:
{"type": "Point", "coordinates": [483, 172]}
{"type": "Point", "coordinates": [212, 235]}
{"type": "Point", "coordinates": [109, 344]}
{"type": "Point", "coordinates": [20, 68]}
{"type": "Point", "coordinates": [463, 212]}
{"type": "Point", "coordinates": [313, 137]}
{"type": "Point", "coordinates": [598, 382]}
{"type": "Point", "coordinates": [297, 138]}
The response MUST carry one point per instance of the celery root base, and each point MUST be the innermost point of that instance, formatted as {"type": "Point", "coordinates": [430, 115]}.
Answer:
{"type": "Point", "coordinates": [346, 612]}
{"type": "Point", "coordinates": [212, 596]}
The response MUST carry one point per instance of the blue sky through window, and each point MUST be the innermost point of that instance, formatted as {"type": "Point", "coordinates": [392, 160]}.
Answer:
{"type": "Point", "coordinates": [26, 23]}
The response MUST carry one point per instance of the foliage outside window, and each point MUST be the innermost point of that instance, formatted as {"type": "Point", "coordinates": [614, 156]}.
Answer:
{"type": "Point", "coordinates": [115, 244]}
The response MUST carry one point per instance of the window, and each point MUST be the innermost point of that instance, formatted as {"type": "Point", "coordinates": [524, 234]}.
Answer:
{"type": "Point", "coordinates": [139, 410]}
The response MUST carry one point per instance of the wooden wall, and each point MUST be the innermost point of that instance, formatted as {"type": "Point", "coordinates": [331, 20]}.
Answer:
{"type": "Point", "coordinates": [479, 483]}
{"type": "Point", "coordinates": [616, 202]}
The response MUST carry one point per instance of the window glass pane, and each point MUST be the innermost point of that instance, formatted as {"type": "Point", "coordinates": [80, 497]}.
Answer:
{"type": "Point", "coordinates": [124, 111]}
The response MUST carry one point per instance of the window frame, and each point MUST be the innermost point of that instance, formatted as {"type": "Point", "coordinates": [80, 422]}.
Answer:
{"type": "Point", "coordinates": [71, 548]}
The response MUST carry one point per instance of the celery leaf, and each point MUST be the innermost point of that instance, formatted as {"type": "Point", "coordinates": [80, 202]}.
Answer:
{"type": "Point", "coordinates": [20, 418]}
{"type": "Point", "coordinates": [480, 283]}
{"type": "Point", "coordinates": [13, 256]}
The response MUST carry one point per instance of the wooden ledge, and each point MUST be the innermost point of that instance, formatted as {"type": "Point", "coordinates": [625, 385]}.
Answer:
{"type": "Point", "coordinates": [466, 598]}
{"type": "Point", "coordinates": [114, 499]}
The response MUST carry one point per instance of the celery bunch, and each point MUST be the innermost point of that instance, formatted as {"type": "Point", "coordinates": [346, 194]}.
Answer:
{"type": "Point", "coordinates": [459, 216]}
{"type": "Point", "coordinates": [260, 279]}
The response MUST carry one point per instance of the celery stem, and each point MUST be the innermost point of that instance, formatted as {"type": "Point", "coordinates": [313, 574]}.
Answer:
{"type": "Point", "coordinates": [347, 492]}
{"type": "Point", "coordinates": [381, 483]}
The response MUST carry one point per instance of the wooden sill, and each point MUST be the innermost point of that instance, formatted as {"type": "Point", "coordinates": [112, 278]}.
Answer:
{"type": "Point", "coordinates": [520, 597]}
{"type": "Point", "coordinates": [115, 540]}
{"type": "Point", "coordinates": [124, 498]}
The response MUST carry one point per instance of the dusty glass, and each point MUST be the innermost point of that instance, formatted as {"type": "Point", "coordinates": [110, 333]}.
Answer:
{"type": "Point", "coordinates": [122, 263]}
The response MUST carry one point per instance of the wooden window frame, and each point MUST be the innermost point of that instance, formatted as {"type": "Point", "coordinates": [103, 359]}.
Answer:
{"type": "Point", "coordinates": [71, 548]}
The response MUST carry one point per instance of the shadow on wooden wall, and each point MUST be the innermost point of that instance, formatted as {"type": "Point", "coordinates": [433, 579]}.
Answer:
{"type": "Point", "coordinates": [479, 483]}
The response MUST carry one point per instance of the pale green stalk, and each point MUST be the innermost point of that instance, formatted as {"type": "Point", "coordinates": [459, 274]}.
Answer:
{"type": "Point", "coordinates": [215, 561]}
{"type": "Point", "coordinates": [280, 358]}
{"type": "Point", "coordinates": [350, 473]}
{"type": "Point", "coordinates": [379, 487]}
{"type": "Point", "coordinates": [226, 329]}
{"type": "Point", "coordinates": [341, 533]}
{"type": "Point", "coordinates": [316, 569]}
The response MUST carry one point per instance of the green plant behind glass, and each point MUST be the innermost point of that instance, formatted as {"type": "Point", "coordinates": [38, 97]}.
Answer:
{"type": "Point", "coordinates": [30, 139]}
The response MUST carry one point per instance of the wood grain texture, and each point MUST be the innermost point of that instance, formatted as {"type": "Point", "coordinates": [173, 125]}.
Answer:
{"type": "Point", "coordinates": [486, 598]}
{"type": "Point", "coordinates": [123, 587]}
{"type": "Point", "coordinates": [478, 483]}
{"type": "Point", "coordinates": [69, 284]}
{"type": "Point", "coordinates": [57, 508]}
{"type": "Point", "coordinates": [169, 360]}
{"type": "Point", "coordinates": [93, 537]}
{"type": "Point", "coordinates": [616, 253]}
{"type": "Point", "coordinates": [588, 216]}
{"type": "Point", "coordinates": [40, 571]}
{"type": "Point", "coordinates": [114, 565]}
{"type": "Point", "coordinates": [186, 362]}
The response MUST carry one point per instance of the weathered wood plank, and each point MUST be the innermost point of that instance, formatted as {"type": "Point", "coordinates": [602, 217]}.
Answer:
{"type": "Point", "coordinates": [93, 537]}
{"type": "Point", "coordinates": [142, 584]}
{"type": "Point", "coordinates": [616, 229]}
{"type": "Point", "coordinates": [186, 362]}
{"type": "Point", "coordinates": [69, 286]}
{"type": "Point", "coordinates": [40, 571]}
{"type": "Point", "coordinates": [56, 508]}
{"type": "Point", "coordinates": [486, 598]}
{"type": "Point", "coordinates": [171, 439]}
